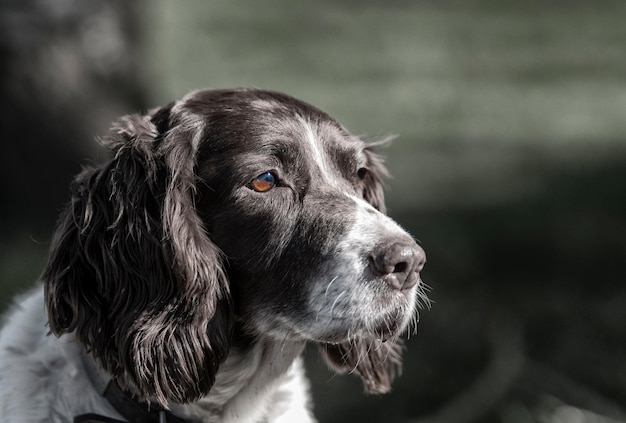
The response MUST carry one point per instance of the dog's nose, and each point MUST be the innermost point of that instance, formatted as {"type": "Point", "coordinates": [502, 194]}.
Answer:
{"type": "Point", "coordinates": [399, 262]}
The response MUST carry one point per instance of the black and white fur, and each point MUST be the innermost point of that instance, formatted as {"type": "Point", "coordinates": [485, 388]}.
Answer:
{"type": "Point", "coordinates": [170, 274]}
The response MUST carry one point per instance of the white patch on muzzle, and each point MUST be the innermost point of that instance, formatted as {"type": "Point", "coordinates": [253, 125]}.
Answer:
{"type": "Point", "coordinates": [348, 299]}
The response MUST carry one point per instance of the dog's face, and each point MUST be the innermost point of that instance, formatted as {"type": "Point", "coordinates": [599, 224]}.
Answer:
{"type": "Point", "coordinates": [237, 208]}
{"type": "Point", "coordinates": [296, 209]}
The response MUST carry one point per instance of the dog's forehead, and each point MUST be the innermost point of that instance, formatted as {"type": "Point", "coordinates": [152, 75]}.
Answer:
{"type": "Point", "coordinates": [314, 144]}
{"type": "Point", "coordinates": [252, 122]}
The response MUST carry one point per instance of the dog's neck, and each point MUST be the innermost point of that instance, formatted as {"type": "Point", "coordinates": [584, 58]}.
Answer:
{"type": "Point", "coordinates": [249, 376]}
{"type": "Point", "coordinates": [245, 380]}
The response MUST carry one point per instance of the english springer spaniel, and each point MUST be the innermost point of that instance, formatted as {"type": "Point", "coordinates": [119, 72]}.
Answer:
{"type": "Point", "coordinates": [187, 273]}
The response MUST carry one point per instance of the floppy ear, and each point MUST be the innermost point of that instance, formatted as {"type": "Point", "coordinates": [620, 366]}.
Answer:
{"type": "Point", "coordinates": [131, 269]}
{"type": "Point", "coordinates": [373, 191]}
{"type": "Point", "coordinates": [375, 361]}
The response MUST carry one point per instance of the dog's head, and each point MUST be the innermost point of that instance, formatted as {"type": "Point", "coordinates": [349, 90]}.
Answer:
{"type": "Point", "coordinates": [241, 208]}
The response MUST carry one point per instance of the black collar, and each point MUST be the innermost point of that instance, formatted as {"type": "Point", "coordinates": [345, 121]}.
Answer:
{"type": "Point", "coordinates": [123, 402]}
{"type": "Point", "coordinates": [133, 411]}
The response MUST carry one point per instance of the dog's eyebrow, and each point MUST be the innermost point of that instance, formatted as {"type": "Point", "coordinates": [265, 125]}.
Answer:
{"type": "Point", "coordinates": [271, 153]}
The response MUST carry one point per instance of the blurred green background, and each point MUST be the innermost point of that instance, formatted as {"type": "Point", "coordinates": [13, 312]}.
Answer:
{"type": "Point", "coordinates": [509, 167]}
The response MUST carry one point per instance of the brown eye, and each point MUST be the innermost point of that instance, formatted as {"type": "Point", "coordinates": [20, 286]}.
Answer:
{"type": "Point", "coordinates": [264, 182]}
{"type": "Point", "coordinates": [362, 173]}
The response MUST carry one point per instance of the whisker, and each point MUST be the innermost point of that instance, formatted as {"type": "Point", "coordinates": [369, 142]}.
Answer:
{"type": "Point", "coordinates": [328, 287]}
{"type": "Point", "coordinates": [422, 295]}
{"type": "Point", "coordinates": [335, 302]}
{"type": "Point", "coordinates": [317, 315]}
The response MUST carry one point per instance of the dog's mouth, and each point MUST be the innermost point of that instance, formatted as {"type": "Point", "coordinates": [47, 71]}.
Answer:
{"type": "Point", "coordinates": [393, 324]}
{"type": "Point", "coordinates": [384, 333]}
{"type": "Point", "coordinates": [388, 325]}
{"type": "Point", "coordinates": [388, 329]}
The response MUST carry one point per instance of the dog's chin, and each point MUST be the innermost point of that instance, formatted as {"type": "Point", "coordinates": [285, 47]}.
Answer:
{"type": "Point", "coordinates": [382, 318]}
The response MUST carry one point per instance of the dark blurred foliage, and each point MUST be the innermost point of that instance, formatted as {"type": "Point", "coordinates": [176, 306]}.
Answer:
{"type": "Point", "coordinates": [56, 58]}
{"type": "Point", "coordinates": [510, 168]}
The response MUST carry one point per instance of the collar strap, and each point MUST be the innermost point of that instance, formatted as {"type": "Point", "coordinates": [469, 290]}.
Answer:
{"type": "Point", "coordinates": [137, 412]}
{"type": "Point", "coordinates": [95, 418]}
{"type": "Point", "coordinates": [123, 402]}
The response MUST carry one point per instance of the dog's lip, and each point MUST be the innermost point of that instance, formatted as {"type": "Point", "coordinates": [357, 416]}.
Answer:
{"type": "Point", "coordinates": [335, 338]}
{"type": "Point", "coordinates": [388, 329]}
{"type": "Point", "coordinates": [382, 336]}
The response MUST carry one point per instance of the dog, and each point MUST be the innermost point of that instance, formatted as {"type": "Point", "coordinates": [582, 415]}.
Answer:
{"type": "Point", "coordinates": [188, 271]}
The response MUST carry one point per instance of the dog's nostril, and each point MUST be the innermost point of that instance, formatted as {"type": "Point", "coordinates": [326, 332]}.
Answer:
{"type": "Point", "coordinates": [399, 262]}
{"type": "Point", "coordinates": [400, 267]}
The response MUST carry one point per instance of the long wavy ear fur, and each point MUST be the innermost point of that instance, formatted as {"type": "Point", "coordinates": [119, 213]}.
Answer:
{"type": "Point", "coordinates": [131, 269]}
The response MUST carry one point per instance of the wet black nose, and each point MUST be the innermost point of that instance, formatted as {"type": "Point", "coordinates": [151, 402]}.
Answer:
{"type": "Point", "coordinates": [399, 263]}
